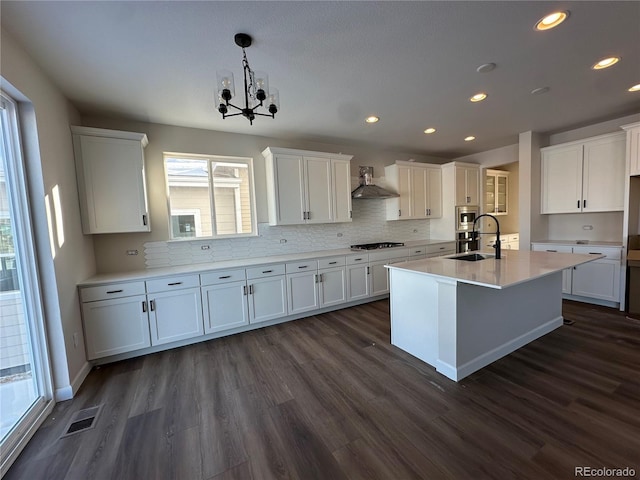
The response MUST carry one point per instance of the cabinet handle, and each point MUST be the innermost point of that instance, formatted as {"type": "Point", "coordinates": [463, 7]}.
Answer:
{"type": "Point", "coordinates": [144, 220]}
{"type": "Point", "coordinates": [152, 305]}
{"type": "Point", "coordinates": [367, 270]}
{"type": "Point", "coordinates": [315, 277]}
{"type": "Point", "coordinates": [332, 263]}
{"type": "Point", "coordinates": [250, 289]}
{"type": "Point", "coordinates": [595, 253]}
{"type": "Point", "coordinates": [224, 276]}
{"type": "Point", "coordinates": [584, 204]}
{"type": "Point", "coordinates": [350, 214]}
{"type": "Point", "coordinates": [442, 248]}
{"type": "Point", "coordinates": [302, 266]}
{"type": "Point", "coordinates": [578, 203]}
{"type": "Point", "coordinates": [244, 289]}
{"type": "Point", "coordinates": [399, 212]}
{"type": "Point", "coordinates": [267, 271]}
{"type": "Point", "coordinates": [555, 251]}
{"type": "Point", "coordinates": [308, 215]}
{"type": "Point", "coordinates": [321, 277]}
{"type": "Point", "coordinates": [357, 259]}
{"type": "Point", "coordinates": [174, 284]}
{"type": "Point", "coordinates": [114, 291]}
{"type": "Point", "coordinates": [144, 307]}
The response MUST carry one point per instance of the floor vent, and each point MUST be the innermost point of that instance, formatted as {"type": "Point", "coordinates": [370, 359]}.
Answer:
{"type": "Point", "coordinates": [82, 420]}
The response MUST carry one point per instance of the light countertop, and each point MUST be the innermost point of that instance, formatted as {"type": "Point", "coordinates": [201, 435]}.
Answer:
{"type": "Point", "coordinates": [578, 243]}
{"type": "Point", "coordinates": [515, 267]}
{"type": "Point", "coordinates": [150, 273]}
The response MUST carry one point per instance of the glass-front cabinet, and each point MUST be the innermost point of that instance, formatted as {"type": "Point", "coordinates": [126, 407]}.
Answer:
{"type": "Point", "coordinates": [496, 192]}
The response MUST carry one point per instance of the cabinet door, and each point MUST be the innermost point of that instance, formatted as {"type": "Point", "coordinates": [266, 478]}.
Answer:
{"type": "Point", "coordinates": [603, 174]}
{"type": "Point", "coordinates": [319, 191]}
{"type": "Point", "coordinates": [115, 326]}
{"type": "Point", "coordinates": [502, 194]}
{"type": "Point", "coordinates": [633, 150]}
{"type": "Point", "coordinates": [225, 306]}
{"type": "Point", "coordinates": [267, 298]}
{"type": "Point", "coordinates": [341, 170]}
{"type": "Point", "coordinates": [111, 184]}
{"type": "Point", "coordinates": [490, 194]}
{"type": "Point", "coordinates": [434, 192]}
{"type": "Point", "coordinates": [472, 180]}
{"type": "Point", "coordinates": [419, 203]}
{"type": "Point", "coordinates": [175, 315]}
{"type": "Point", "coordinates": [302, 291]}
{"type": "Point", "coordinates": [378, 278]}
{"type": "Point", "coordinates": [357, 282]}
{"type": "Point", "coordinates": [598, 279]}
{"type": "Point", "coordinates": [562, 179]}
{"type": "Point", "coordinates": [404, 190]}
{"type": "Point", "coordinates": [289, 189]}
{"type": "Point", "coordinates": [333, 286]}
{"type": "Point", "coordinates": [566, 274]}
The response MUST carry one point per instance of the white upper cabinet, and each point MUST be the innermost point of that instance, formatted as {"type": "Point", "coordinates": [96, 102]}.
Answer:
{"type": "Point", "coordinates": [111, 180]}
{"type": "Point", "coordinates": [585, 176]}
{"type": "Point", "coordinates": [467, 185]}
{"type": "Point", "coordinates": [307, 187]}
{"type": "Point", "coordinates": [420, 188]}
{"type": "Point", "coordinates": [496, 192]}
{"type": "Point", "coordinates": [633, 148]}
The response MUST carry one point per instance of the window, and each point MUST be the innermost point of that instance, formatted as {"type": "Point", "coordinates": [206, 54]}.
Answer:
{"type": "Point", "coordinates": [210, 196]}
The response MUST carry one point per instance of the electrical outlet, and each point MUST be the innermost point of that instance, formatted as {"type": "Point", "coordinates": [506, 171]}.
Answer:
{"type": "Point", "coordinates": [132, 252]}
{"type": "Point", "coordinates": [205, 247]}
{"type": "Point", "coordinates": [587, 227]}
{"type": "Point", "coordinates": [283, 240]}
{"type": "Point", "coordinates": [339, 235]}
{"type": "Point", "coordinates": [76, 340]}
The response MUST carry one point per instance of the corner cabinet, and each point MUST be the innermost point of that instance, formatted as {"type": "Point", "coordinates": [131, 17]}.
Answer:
{"type": "Point", "coordinates": [307, 187]}
{"type": "Point", "coordinates": [584, 176]}
{"type": "Point", "coordinates": [111, 180]}
{"type": "Point", "coordinates": [420, 188]}
{"type": "Point", "coordinates": [633, 148]}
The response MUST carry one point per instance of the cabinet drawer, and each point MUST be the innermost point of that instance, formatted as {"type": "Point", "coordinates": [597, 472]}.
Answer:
{"type": "Point", "coordinates": [441, 248]}
{"type": "Point", "coordinates": [388, 253]}
{"type": "Point", "coordinates": [355, 259]}
{"type": "Point", "coordinates": [295, 267]}
{"type": "Point", "coordinates": [265, 271]}
{"type": "Point", "coordinates": [609, 252]}
{"type": "Point", "coordinates": [421, 250]}
{"type": "Point", "coordinates": [549, 247]}
{"type": "Point", "coordinates": [331, 262]}
{"type": "Point", "coordinates": [173, 283]}
{"type": "Point", "coordinates": [115, 290]}
{"type": "Point", "coordinates": [222, 276]}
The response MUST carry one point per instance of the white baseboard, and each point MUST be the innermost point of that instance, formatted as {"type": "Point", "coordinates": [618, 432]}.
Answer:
{"type": "Point", "coordinates": [68, 391]}
{"type": "Point", "coordinates": [466, 369]}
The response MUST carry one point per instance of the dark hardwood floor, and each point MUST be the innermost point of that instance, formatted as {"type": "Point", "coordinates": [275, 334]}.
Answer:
{"type": "Point", "coordinates": [328, 397]}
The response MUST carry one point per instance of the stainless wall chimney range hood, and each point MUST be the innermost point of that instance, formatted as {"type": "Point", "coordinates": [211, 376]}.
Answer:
{"type": "Point", "coordinates": [367, 190]}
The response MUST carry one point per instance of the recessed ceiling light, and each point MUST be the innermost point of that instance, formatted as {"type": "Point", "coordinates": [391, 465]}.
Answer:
{"type": "Point", "coordinates": [539, 91]}
{"type": "Point", "coordinates": [486, 67]}
{"type": "Point", "coordinates": [605, 63]}
{"type": "Point", "coordinates": [635, 88]}
{"type": "Point", "coordinates": [552, 20]}
{"type": "Point", "coordinates": [372, 119]}
{"type": "Point", "coordinates": [430, 130]}
{"type": "Point", "coordinates": [478, 97]}
{"type": "Point", "coordinates": [469, 138]}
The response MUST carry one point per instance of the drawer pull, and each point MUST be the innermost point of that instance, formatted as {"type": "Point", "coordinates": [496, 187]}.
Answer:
{"type": "Point", "coordinates": [556, 251]}
{"type": "Point", "coordinates": [224, 276]}
{"type": "Point", "coordinates": [301, 266]}
{"type": "Point", "coordinates": [267, 271]}
{"type": "Point", "coordinates": [115, 291]}
{"type": "Point", "coordinates": [595, 253]}
{"type": "Point", "coordinates": [357, 260]}
{"type": "Point", "coordinates": [173, 284]}
{"type": "Point", "coordinates": [332, 263]}
{"type": "Point", "coordinates": [442, 248]}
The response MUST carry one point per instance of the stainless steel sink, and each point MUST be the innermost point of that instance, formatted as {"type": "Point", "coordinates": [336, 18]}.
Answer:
{"type": "Point", "coordinates": [471, 257]}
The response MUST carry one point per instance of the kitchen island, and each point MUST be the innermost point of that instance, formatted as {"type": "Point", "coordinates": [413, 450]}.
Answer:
{"type": "Point", "coordinates": [459, 316]}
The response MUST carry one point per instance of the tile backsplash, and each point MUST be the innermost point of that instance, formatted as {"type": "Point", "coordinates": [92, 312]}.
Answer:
{"type": "Point", "coordinates": [368, 225]}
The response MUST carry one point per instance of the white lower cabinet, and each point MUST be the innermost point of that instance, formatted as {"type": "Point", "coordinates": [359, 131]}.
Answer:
{"type": "Point", "coordinates": [357, 277]}
{"type": "Point", "coordinates": [378, 278]}
{"type": "Point", "coordinates": [332, 286]}
{"type": "Point", "coordinates": [224, 306]}
{"type": "Point", "coordinates": [302, 291]}
{"type": "Point", "coordinates": [267, 293]}
{"type": "Point", "coordinates": [599, 279]}
{"type": "Point", "coordinates": [175, 315]}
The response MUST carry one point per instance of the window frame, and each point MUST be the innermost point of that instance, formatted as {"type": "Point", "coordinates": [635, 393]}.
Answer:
{"type": "Point", "coordinates": [212, 159]}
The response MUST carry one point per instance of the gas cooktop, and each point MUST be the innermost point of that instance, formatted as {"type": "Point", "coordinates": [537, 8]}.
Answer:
{"type": "Point", "coordinates": [374, 246]}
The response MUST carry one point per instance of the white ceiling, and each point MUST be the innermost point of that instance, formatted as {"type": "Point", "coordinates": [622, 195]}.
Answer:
{"type": "Point", "coordinates": [411, 63]}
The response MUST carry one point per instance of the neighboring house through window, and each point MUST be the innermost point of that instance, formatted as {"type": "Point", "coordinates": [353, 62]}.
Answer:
{"type": "Point", "coordinates": [210, 196]}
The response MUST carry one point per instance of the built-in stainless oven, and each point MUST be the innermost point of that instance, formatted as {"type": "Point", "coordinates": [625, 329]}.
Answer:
{"type": "Point", "coordinates": [465, 242]}
{"type": "Point", "coordinates": [465, 216]}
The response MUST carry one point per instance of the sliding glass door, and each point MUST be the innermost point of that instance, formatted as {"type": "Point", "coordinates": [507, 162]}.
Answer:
{"type": "Point", "coordinates": [25, 381]}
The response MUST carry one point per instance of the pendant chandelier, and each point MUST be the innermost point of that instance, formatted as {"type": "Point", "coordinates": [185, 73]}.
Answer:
{"type": "Point", "coordinates": [256, 89]}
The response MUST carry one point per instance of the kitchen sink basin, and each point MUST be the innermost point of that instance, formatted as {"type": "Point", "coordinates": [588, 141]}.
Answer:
{"type": "Point", "coordinates": [472, 257]}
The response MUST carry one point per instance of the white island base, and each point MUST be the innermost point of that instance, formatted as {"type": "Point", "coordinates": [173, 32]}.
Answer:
{"type": "Point", "coordinates": [459, 328]}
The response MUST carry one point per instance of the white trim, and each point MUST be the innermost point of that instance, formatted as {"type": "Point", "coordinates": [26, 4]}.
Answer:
{"type": "Point", "coordinates": [68, 391]}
